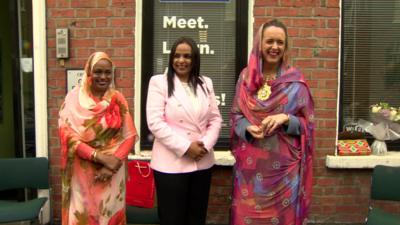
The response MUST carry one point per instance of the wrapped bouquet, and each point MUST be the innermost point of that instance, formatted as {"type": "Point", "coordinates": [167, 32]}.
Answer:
{"type": "Point", "coordinates": [384, 126]}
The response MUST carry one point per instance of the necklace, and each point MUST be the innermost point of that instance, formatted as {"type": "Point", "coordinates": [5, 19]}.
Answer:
{"type": "Point", "coordinates": [265, 91]}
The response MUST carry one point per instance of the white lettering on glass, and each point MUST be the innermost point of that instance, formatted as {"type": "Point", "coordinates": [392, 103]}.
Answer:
{"type": "Point", "coordinates": [204, 49]}
{"type": "Point", "coordinates": [182, 23]}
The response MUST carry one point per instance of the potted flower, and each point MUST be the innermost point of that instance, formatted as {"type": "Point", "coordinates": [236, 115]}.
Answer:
{"type": "Point", "coordinates": [385, 126]}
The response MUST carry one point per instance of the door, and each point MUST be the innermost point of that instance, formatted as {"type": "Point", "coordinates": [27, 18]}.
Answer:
{"type": "Point", "coordinates": [17, 119]}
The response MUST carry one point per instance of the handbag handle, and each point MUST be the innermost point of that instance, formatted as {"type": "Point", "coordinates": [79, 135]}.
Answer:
{"type": "Point", "coordinates": [143, 167]}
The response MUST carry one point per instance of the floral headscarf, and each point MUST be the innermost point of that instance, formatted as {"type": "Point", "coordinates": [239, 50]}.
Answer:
{"type": "Point", "coordinates": [85, 93]}
{"type": "Point", "coordinates": [100, 124]}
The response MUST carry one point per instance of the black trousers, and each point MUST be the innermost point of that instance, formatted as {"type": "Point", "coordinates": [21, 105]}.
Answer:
{"type": "Point", "coordinates": [183, 198]}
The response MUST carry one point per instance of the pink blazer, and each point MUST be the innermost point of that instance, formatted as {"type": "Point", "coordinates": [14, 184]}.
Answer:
{"type": "Point", "coordinates": [175, 124]}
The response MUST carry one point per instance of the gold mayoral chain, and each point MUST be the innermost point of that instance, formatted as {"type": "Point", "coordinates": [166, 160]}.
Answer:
{"type": "Point", "coordinates": [265, 91]}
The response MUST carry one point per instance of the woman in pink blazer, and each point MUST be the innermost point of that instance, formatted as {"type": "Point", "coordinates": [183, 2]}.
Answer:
{"type": "Point", "coordinates": [183, 116]}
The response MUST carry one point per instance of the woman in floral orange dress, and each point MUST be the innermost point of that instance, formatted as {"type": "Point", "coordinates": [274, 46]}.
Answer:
{"type": "Point", "coordinates": [96, 133]}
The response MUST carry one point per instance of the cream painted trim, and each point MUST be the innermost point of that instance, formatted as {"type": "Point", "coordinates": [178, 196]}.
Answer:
{"type": "Point", "coordinates": [40, 89]}
{"type": "Point", "coordinates": [339, 77]}
{"type": "Point", "coordinates": [40, 76]}
{"type": "Point", "coordinates": [138, 69]}
{"type": "Point", "coordinates": [222, 158]}
{"type": "Point", "coordinates": [250, 19]}
{"type": "Point", "coordinates": [363, 162]}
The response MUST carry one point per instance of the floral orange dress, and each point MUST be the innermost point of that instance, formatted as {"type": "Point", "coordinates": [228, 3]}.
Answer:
{"type": "Point", "coordinates": [104, 126]}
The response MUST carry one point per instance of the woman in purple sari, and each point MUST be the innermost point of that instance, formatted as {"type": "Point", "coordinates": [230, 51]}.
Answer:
{"type": "Point", "coordinates": [272, 135]}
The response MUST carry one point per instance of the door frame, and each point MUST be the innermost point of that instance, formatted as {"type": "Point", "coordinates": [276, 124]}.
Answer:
{"type": "Point", "coordinates": [40, 89]}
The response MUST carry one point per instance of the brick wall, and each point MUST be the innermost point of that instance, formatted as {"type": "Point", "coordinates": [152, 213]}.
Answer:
{"type": "Point", "coordinates": [340, 196]}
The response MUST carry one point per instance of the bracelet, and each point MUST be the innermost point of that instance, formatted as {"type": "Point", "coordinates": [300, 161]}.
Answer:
{"type": "Point", "coordinates": [94, 156]}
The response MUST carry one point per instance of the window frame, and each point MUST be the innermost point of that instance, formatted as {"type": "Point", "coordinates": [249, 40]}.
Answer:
{"type": "Point", "coordinates": [242, 23]}
{"type": "Point", "coordinates": [391, 145]}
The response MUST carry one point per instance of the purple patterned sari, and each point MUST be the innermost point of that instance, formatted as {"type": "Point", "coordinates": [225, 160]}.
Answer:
{"type": "Point", "coordinates": [273, 175]}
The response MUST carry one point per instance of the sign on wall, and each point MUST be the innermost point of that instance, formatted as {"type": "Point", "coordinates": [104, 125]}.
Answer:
{"type": "Point", "coordinates": [74, 77]}
{"type": "Point", "coordinates": [212, 24]}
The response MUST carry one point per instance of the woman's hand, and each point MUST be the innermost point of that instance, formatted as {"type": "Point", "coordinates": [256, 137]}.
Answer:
{"type": "Point", "coordinates": [255, 131]}
{"type": "Point", "coordinates": [196, 150]}
{"type": "Point", "coordinates": [270, 123]}
{"type": "Point", "coordinates": [103, 175]}
{"type": "Point", "coordinates": [109, 161]}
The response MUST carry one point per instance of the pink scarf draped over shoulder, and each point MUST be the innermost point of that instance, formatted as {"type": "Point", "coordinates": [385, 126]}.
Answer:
{"type": "Point", "coordinates": [290, 94]}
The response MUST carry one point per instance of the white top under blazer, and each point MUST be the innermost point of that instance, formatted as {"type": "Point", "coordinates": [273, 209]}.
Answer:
{"type": "Point", "coordinates": [175, 123]}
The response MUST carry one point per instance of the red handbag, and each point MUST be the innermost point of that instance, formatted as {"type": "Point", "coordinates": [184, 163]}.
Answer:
{"type": "Point", "coordinates": [140, 187]}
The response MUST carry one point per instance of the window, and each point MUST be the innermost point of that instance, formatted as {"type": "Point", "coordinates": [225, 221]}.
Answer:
{"type": "Point", "coordinates": [220, 29]}
{"type": "Point", "coordinates": [370, 66]}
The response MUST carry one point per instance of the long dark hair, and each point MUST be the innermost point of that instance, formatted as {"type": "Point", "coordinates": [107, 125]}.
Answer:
{"type": "Point", "coordinates": [194, 76]}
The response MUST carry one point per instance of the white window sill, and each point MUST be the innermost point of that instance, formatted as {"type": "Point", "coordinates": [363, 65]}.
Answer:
{"type": "Point", "coordinates": [363, 162]}
{"type": "Point", "coordinates": [222, 158]}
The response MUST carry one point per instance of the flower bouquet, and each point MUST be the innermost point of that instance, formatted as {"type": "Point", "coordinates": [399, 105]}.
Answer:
{"type": "Point", "coordinates": [384, 125]}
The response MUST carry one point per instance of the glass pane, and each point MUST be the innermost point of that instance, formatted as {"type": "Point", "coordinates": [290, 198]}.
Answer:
{"type": "Point", "coordinates": [212, 24]}
{"type": "Point", "coordinates": [26, 73]}
{"type": "Point", "coordinates": [371, 56]}
{"type": "Point", "coordinates": [1, 91]}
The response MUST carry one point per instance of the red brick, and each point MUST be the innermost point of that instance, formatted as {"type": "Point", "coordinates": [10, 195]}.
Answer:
{"type": "Point", "coordinates": [259, 12]}
{"type": "Point", "coordinates": [62, 13]}
{"type": "Point", "coordinates": [308, 23]}
{"type": "Point", "coordinates": [260, 3]}
{"type": "Point", "coordinates": [325, 143]}
{"type": "Point", "coordinates": [324, 74]}
{"type": "Point", "coordinates": [51, 4]}
{"type": "Point", "coordinates": [124, 62]}
{"type": "Point", "coordinates": [277, 12]}
{"type": "Point", "coordinates": [325, 33]}
{"type": "Point", "coordinates": [101, 43]}
{"type": "Point", "coordinates": [101, 32]}
{"type": "Point", "coordinates": [122, 42]}
{"type": "Point", "coordinates": [306, 53]}
{"type": "Point", "coordinates": [305, 63]}
{"type": "Point", "coordinates": [81, 42]}
{"type": "Point", "coordinates": [327, 12]}
{"type": "Point", "coordinates": [121, 2]}
{"type": "Point", "coordinates": [83, 23]}
{"type": "Point", "coordinates": [124, 83]}
{"type": "Point", "coordinates": [323, 133]}
{"type": "Point", "coordinates": [101, 22]}
{"type": "Point", "coordinates": [328, 114]}
{"type": "Point", "coordinates": [333, 3]}
{"type": "Point", "coordinates": [328, 181]}
{"type": "Point", "coordinates": [100, 13]}
{"type": "Point", "coordinates": [84, 4]}
{"type": "Point", "coordinates": [63, 4]}
{"type": "Point", "coordinates": [121, 22]}
{"type": "Point", "coordinates": [82, 13]}
{"type": "Point", "coordinates": [305, 42]}
{"type": "Point", "coordinates": [333, 23]}
{"type": "Point", "coordinates": [102, 3]}
{"type": "Point", "coordinates": [299, 3]}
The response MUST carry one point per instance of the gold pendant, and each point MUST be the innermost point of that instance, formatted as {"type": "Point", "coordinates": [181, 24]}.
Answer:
{"type": "Point", "coordinates": [264, 92]}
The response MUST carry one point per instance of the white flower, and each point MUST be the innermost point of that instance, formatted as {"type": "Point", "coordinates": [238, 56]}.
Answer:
{"type": "Point", "coordinates": [385, 111]}
{"type": "Point", "coordinates": [393, 114]}
{"type": "Point", "coordinates": [376, 109]}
